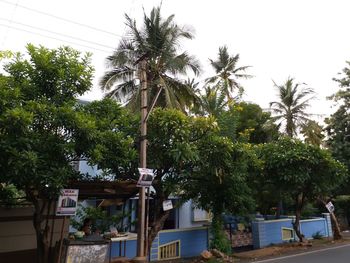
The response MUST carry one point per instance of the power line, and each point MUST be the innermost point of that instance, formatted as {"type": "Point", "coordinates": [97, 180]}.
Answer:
{"type": "Point", "coordinates": [52, 32]}
{"type": "Point", "coordinates": [12, 15]}
{"type": "Point", "coordinates": [55, 38]}
{"type": "Point", "coordinates": [62, 18]}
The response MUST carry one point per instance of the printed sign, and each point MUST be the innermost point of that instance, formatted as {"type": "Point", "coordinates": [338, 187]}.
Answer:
{"type": "Point", "coordinates": [146, 177]}
{"type": "Point", "coordinates": [67, 202]}
{"type": "Point", "coordinates": [330, 207]}
{"type": "Point", "coordinates": [167, 205]}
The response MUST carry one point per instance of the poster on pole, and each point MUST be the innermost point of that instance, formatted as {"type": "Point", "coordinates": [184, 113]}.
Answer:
{"type": "Point", "coordinates": [67, 202]}
{"type": "Point", "coordinates": [146, 177]}
{"type": "Point", "coordinates": [330, 207]}
{"type": "Point", "coordinates": [167, 205]}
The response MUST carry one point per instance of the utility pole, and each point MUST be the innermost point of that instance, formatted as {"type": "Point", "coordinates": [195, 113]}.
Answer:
{"type": "Point", "coordinates": [143, 164]}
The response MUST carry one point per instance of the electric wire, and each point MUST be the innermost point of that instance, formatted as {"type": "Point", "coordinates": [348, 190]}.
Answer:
{"type": "Point", "coordinates": [56, 33]}
{"type": "Point", "coordinates": [61, 18]}
{"type": "Point", "coordinates": [7, 31]}
{"type": "Point", "coordinates": [55, 38]}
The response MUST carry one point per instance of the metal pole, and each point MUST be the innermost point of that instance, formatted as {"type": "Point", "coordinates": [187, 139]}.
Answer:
{"type": "Point", "coordinates": [143, 164]}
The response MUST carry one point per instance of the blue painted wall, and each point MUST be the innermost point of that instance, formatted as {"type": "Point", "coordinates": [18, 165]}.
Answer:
{"type": "Point", "coordinates": [130, 249]}
{"type": "Point", "coordinates": [267, 232]}
{"type": "Point", "coordinates": [192, 243]}
{"type": "Point", "coordinates": [185, 214]}
{"type": "Point", "coordinates": [311, 227]}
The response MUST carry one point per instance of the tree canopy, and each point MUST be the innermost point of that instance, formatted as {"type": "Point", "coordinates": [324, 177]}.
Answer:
{"type": "Point", "coordinates": [338, 125]}
{"type": "Point", "coordinates": [290, 108]}
{"type": "Point", "coordinates": [302, 171]}
{"type": "Point", "coordinates": [43, 129]}
{"type": "Point", "coordinates": [158, 43]}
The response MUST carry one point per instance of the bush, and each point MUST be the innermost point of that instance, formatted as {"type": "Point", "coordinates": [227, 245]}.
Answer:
{"type": "Point", "coordinates": [317, 235]}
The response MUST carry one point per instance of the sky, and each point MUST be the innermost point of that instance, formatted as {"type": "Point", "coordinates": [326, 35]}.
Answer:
{"type": "Point", "coordinates": [308, 40]}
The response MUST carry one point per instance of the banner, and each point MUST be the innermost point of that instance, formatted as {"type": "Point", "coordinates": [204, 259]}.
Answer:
{"type": "Point", "coordinates": [67, 202]}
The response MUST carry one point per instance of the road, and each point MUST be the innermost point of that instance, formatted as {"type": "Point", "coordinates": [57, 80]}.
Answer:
{"type": "Point", "coordinates": [338, 254]}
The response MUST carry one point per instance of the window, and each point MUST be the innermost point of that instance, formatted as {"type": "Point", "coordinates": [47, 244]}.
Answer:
{"type": "Point", "coordinates": [200, 215]}
{"type": "Point", "coordinates": [170, 250]}
{"type": "Point", "coordinates": [287, 233]}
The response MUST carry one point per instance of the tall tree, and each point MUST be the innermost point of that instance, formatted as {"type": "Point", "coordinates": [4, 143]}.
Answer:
{"type": "Point", "coordinates": [227, 74]}
{"type": "Point", "coordinates": [157, 42]}
{"type": "Point", "coordinates": [290, 109]}
{"type": "Point", "coordinates": [302, 171]}
{"type": "Point", "coordinates": [338, 125]}
{"type": "Point", "coordinates": [42, 130]}
{"type": "Point", "coordinates": [219, 182]}
{"type": "Point", "coordinates": [212, 102]}
{"type": "Point", "coordinates": [313, 132]}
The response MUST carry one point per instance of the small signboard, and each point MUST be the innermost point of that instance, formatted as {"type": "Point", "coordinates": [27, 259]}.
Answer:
{"type": "Point", "coordinates": [67, 202]}
{"type": "Point", "coordinates": [146, 177]}
{"type": "Point", "coordinates": [330, 207]}
{"type": "Point", "coordinates": [167, 205]}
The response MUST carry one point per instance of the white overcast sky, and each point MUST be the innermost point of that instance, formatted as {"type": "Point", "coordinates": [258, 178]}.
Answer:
{"type": "Point", "coordinates": [305, 39]}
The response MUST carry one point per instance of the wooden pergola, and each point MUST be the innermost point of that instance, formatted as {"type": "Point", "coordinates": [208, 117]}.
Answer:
{"type": "Point", "coordinates": [109, 190]}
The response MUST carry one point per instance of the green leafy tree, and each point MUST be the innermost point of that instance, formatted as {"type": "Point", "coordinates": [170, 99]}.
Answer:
{"type": "Point", "coordinates": [290, 109]}
{"type": "Point", "coordinates": [219, 182]}
{"type": "Point", "coordinates": [338, 125]}
{"type": "Point", "coordinates": [247, 122]}
{"type": "Point", "coordinates": [172, 152]}
{"type": "Point", "coordinates": [157, 42]}
{"type": "Point", "coordinates": [227, 74]}
{"type": "Point", "coordinates": [302, 171]}
{"type": "Point", "coordinates": [255, 125]}
{"type": "Point", "coordinates": [42, 128]}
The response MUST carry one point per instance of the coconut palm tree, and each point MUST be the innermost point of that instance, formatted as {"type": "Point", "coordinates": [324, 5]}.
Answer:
{"type": "Point", "coordinates": [227, 73]}
{"type": "Point", "coordinates": [290, 109]}
{"type": "Point", "coordinates": [212, 102]}
{"type": "Point", "coordinates": [313, 133]}
{"type": "Point", "coordinates": [157, 42]}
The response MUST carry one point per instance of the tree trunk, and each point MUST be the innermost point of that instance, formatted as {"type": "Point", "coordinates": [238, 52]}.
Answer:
{"type": "Point", "coordinates": [41, 232]}
{"type": "Point", "coordinates": [156, 226]}
{"type": "Point", "coordinates": [296, 223]}
{"type": "Point", "coordinates": [335, 225]}
{"type": "Point", "coordinates": [220, 240]}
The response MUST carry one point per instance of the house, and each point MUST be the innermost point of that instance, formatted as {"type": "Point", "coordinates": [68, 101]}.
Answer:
{"type": "Point", "coordinates": [185, 232]}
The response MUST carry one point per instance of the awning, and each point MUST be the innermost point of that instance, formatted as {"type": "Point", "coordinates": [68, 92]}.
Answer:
{"type": "Point", "coordinates": [105, 189]}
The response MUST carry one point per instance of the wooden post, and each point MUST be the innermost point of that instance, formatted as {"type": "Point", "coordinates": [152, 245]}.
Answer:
{"type": "Point", "coordinates": [52, 230]}
{"type": "Point", "coordinates": [61, 240]}
{"type": "Point", "coordinates": [143, 164]}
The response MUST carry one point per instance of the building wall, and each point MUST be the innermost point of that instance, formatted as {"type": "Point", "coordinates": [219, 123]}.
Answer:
{"type": "Point", "coordinates": [185, 215]}
{"type": "Point", "coordinates": [17, 234]}
{"type": "Point", "coordinates": [85, 168]}
{"type": "Point", "coordinates": [192, 242]}
{"type": "Point", "coordinates": [267, 232]}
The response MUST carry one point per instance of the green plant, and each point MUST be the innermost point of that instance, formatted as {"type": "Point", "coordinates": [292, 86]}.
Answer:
{"type": "Point", "coordinates": [219, 240]}
{"type": "Point", "coordinates": [317, 235]}
{"type": "Point", "coordinates": [100, 219]}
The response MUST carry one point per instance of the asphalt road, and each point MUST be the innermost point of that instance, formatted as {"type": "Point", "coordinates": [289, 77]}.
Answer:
{"type": "Point", "coordinates": [339, 254]}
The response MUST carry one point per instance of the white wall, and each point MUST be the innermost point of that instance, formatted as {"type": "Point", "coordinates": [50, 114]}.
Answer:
{"type": "Point", "coordinates": [186, 216]}
{"type": "Point", "coordinates": [85, 168]}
